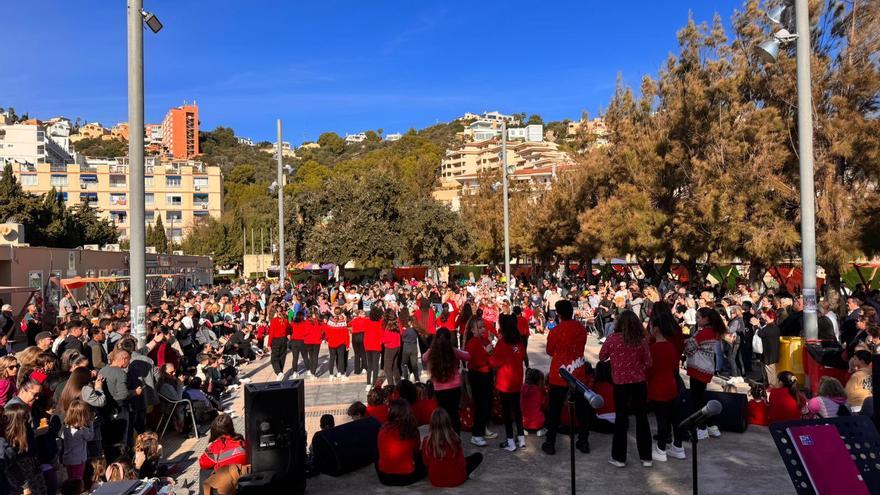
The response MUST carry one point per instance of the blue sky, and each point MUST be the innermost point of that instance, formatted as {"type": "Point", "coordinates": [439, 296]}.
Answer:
{"type": "Point", "coordinates": [336, 65]}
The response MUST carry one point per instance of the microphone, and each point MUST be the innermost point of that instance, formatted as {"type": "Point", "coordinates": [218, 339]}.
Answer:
{"type": "Point", "coordinates": [596, 401]}
{"type": "Point", "coordinates": [697, 419]}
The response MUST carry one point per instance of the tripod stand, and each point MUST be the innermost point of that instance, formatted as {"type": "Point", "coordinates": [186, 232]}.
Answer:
{"type": "Point", "coordinates": [571, 414]}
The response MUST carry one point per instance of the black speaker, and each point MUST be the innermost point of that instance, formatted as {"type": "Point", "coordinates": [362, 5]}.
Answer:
{"type": "Point", "coordinates": [275, 429]}
{"type": "Point", "coordinates": [347, 447]}
{"type": "Point", "coordinates": [734, 409]}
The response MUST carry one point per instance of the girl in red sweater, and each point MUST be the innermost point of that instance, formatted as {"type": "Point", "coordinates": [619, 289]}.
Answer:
{"type": "Point", "coordinates": [400, 462]}
{"type": "Point", "coordinates": [479, 379]}
{"type": "Point", "coordinates": [627, 349]}
{"type": "Point", "coordinates": [532, 402]}
{"type": "Point", "coordinates": [507, 358]}
{"type": "Point", "coordinates": [313, 336]}
{"type": "Point", "coordinates": [337, 344]}
{"type": "Point", "coordinates": [786, 401]}
{"type": "Point", "coordinates": [662, 386]}
{"type": "Point", "coordinates": [700, 352]}
{"type": "Point", "coordinates": [443, 455]}
{"type": "Point", "coordinates": [297, 343]}
{"type": "Point", "coordinates": [391, 341]}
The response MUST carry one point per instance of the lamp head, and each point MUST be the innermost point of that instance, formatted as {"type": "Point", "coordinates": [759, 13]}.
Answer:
{"type": "Point", "coordinates": [152, 21]}
{"type": "Point", "coordinates": [768, 51]}
{"type": "Point", "coordinates": [775, 14]}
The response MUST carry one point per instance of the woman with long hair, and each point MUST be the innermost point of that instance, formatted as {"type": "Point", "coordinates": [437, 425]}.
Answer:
{"type": "Point", "coordinates": [508, 358]}
{"type": "Point", "coordinates": [627, 351]}
{"type": "Point", "coordinates": [462, 321]}
{"type": "Point", "coordinates": [23, 468]}
{"type": "Point", "coordinates": [830, 401]}
{"type": "Point", "coordinates": [373, 344]}
{"type": "Point", "coordinates": [312, 339]}
{"type": "Point", "coordinates": [399, 462]}
{"type": "Point", "coordinates": [425, 323]}
{"type": "Point", "coordinates": [478, 346]}
{"type": "Point", "coordinates": [225, 448]}
{"type": "Point", "coordinates": [443, 454]}
{"type": "Point", "coordinates": [443, 363]}
{"type": "Point", "coordinates": [297, 343]}
{"type": "Point", "coordinates": [337, 343]}
{"type": "Point", "coordinates": [409, 352]}
{"type": "Point", "coordinates": [391, 342]}
{"type": "Point", "coordinates": [663, 386]}
{"type": "Point", "coordinates": [700, 352]}
{"type": "Point", "coordinates": [8, 372]}
{"type": "Point", "coordinates": [786, 401]}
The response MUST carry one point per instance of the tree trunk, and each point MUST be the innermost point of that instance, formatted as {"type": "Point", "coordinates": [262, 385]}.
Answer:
{"type": "Point", "coordinates": [693, 273]}
{"type": "Point", "coordinates": [833, 287]}
{"type": "Point", "coordinates": [756, 274]}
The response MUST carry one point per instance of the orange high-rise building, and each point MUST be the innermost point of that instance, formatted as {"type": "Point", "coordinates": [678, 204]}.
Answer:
{"type": "Point", "coordinates": [180, 132]}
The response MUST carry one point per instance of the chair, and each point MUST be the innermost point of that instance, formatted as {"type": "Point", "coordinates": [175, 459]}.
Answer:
{"type": "Point", "coordinates": [185, 403]}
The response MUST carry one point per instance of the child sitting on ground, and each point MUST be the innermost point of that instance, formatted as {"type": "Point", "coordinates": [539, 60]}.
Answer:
{"type": "Point", "coordinates": [376, 406]}
{"type": "Point", "coordinates": [357, 410]}
{"type": "Point", "coordinates": [425, 403]}
{"type": "Point", "coordinates": [758, 412]}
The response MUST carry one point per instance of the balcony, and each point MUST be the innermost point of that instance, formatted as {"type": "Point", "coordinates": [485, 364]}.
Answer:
{"type": "Point", "coordinates": [54, 167]}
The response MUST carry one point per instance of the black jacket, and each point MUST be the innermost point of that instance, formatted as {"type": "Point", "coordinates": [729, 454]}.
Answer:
{"type": "Point", "coordinates": [770, 338]}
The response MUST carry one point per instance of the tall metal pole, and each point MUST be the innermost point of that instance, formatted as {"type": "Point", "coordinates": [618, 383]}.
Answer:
{"type": "Point", "coordinates": [805, 150]}
{"type": "Point", "coordinates": [281, 263]}
{"type": "Point", "coordinates": [506, 212]}
{"type": "Point", "coordinates": [137, 264]}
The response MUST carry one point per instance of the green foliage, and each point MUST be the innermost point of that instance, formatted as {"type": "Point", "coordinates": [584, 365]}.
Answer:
{"type": "Point", "coordinates": [535, 119]}
{"type": "Point", "coordinates": [99, 147]}
{"type": "Point", "coordinates": [331, 143]}
{"type": "Point", "coordinates": [156, 236]}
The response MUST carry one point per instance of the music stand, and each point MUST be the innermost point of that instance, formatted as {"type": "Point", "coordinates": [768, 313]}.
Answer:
{"type": "Point", "coordinates": [860, 437]}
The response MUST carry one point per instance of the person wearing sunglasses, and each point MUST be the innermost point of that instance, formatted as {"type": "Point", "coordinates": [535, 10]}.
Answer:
{"type": "Point", "coordinates": [8, 372]}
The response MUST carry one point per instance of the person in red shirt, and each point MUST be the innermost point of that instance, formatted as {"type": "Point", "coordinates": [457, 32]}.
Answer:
{"type": "Point", "coordinates": [297, 343]}
{"type": "Point", "coordinates": [663, 387]}
{"type": "Point", "coordinates": [423, 318]}
{"type": "Point", "coordinates": [425, 404]}
{"type": "Point", "coordinates": [358, 325]}
{"type": "Point", "coordinates": [700, 352]}
{"type": "Point", "coordinates": [522, 324]}
{"type": "Point", "coordinates": [461, 321]}
{"type": "Point", "coordinates": [373, 344]}
{"type": "Point", "coordinates": [786, 401]}
{"type": "Point", "coordinates": [400, 461]}
{"type": "Point", "coordinates": [314, 335]}
{"type": "Point", "coordinates": [507, 359]}
{"type": "Point", "coordinates": [226, 448]}
{"type": "Point", "coordinates": [337, 344]}
{"type": "Point", "coordinates": [532, 402]}
{"type": "Point", "coordinates": [443, 455]}
{"type": "Point", "coordinates": [376, 406]}
{"type": "Point", "coordinates": [627, 350]}
{"type": "Point", "coordinates": [279, 329]}
{"type": "Point", "coordinates": [391, 342]}
{"type": "Point", "coordinates": [565, 345]}
{"type": "Point", "coordinates": [480, 380]}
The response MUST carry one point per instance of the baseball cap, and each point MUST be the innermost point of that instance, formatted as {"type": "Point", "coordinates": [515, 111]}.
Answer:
{"type": "Point", "coordinates": [43, 335]}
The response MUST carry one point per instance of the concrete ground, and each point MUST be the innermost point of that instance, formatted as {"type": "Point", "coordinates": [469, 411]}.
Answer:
{"type": "Point", "coordinates": [735, 463]}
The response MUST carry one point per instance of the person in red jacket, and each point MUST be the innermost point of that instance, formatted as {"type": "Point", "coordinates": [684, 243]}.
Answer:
{"type": "Point", "coordinates": [522, 324]}
{"type": "Point", "coordinates": [314, 335]}
{"type": "Point", "coordinates": [480, 380]}
{"type": "Point", "coordinates": [279, 329]}
{"type": "Point", "coordinates": [400, 461]}
{"type": "Point", "coordinates": [663, 387]}
{"type": "Point", "coordinates": [507, 358]}
{"type": "Point", "coordinates": [373, 345]}
{"type": "Point", "coordinates": [532, 402]}
{"type": "Point", "coordinates": [225, 448]}
{"type": "Point", "coordinates": [786, 401]}
{"type": "Point", "coordinates": [423, 318]}
{"type": "Point", "coordinates": [358, 324]}
{"type": "Point", "coordinates": [565, 345]}
{"type": "Point", "coordinates": [391, 341]}
{"type": "Point", "coordinates": [337, 344]}
{"type": "Point", "coordinates": [443, 455]}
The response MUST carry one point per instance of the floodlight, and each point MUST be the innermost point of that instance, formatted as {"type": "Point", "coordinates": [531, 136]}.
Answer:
{"type": "Point", "coordinates": [152, 21]}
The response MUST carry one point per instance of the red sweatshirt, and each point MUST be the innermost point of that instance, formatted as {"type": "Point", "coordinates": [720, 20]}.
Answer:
{"type": "Point", "coordinates": [224, 451]}
{"type": "Point", "coordinates": [508, 360]}
{"type": "Point", "coordinates": [476, 347]}
{"type": "Point", "coordinates": [531, 401]}
{"type": "Point", "coordinates": [358, 324]}
{"type": "Point", "coordinates": [428, 321]}
{"type": "Point", "coordinates": [299, 330]}
{"type": "Point", "coordinates": [379, 412]}
{"type": "Point", "coordinates": [566, 345]}
{"type": "Point", "coordinates": [396, 455]}
{"type": "Point", "coordinates": [446, 471]}
{"type": "Point", "coordinates": [522, 324]}
{"type": "Point", "coordinates": [278, 328]}
{"type": "Point", "coordinates": [662, 386]}
{"type": "Point", "coordinates": [314, 333]}
{"type": "Point", "coordinates": [373, 336]}
{"type": "Point", "coordinates": [337, 333]}
{"type": "Point", "coordinates": [390, 338]}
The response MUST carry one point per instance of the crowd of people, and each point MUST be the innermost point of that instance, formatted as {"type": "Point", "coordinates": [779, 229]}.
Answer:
{"type": "Point", "coordinates": [83, 400]}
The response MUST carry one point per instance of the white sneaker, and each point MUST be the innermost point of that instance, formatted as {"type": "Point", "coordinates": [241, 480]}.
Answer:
{"type": "Point", "coordinates": [509, 445]}
{"type": "Point", "coordinates": [343, 378]}
{"type": "Point", "coordinates": [714, 432]}
{"type": "Point", "coordinates": [657, 454]}
{"type": "Point", "coordinates": [279, 377]}
{"type": "Point", "coordinates": [702, 434]}
{"type": "Point", "coordinates": [542, 432]}
{"type": "Point", "coordinates": [368, 387]}
{"type": "Point", "coordinates": [521, 442]}
{"type": "Point", "coordinates": [294, 376]}
{"type": "Point", "coordinates": [676, 452]}
{"type": "Point", "coordinates": [245, 380]}
{"type": "Point", "coordinates": [332, 378]}
{"type": "Point", "coordinates": [478, 441]}
{"type": "Point", "coordinates": [490, 434]}
{"type": "Point", "coordinates": [616, 464]}
{"type": "Point", "coordinates": [308, 374]}
{"type": "Point", "coordinates": [647, 463]}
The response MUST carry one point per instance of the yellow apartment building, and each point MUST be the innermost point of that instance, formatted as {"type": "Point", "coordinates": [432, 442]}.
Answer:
{"type": "Point", "coordinates": [181, 192]}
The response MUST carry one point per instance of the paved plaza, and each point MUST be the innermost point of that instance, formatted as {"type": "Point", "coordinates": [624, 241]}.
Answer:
{"type": "Point", "coordinates": [736, 463]}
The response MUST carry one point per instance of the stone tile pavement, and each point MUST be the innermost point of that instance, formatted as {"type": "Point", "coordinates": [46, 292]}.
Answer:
{"type": "Point", "coordinates": [736, 463]}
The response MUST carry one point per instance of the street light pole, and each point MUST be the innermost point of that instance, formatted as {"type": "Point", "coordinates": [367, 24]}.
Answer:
{"type": "Point", "coordinates": [137, 264]}
{"type": "Point", "coordinates": [506, 209]}
{"type": "Point", "coordinates": [281, 264]}
{"type": "Point", "coordinates": [805, 151]}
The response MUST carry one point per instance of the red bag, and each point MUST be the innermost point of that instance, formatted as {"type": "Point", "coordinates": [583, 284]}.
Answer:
{"type": "Point", "coordinates": [466, 413]}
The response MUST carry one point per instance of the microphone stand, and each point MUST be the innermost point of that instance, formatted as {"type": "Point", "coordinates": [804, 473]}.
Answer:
{"type": "Point", "coordinates": [571, 419]}
{"type": "Point", "coordinates": [693, 433]}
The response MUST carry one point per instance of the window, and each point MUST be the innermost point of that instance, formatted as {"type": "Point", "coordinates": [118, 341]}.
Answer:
{"type": "Point", "coordinates": [173, 200]}
{"type": "Point", "coordinates": [59, 180]}
{"type": "Point", "coordinates": [199, 199]}
{"type": "Point", "coordinates": [88, 179]}
{"type": "Point", "coordinates": [173, 216]}
{"type": "Point", "coordinates": [200, 182]}
{"type": "Point", "coordinates": [62, 195]}
{"type": "Point", "coordinates": [41, 136]}
{"type": "Point", "coordinates": [29, 179]}
{"type": "Point", "coordinates": [172, 181]}
{"type": "Point", "coordinates": [117, 181]}
{"type": "Point", "coordinates": [90, 198]}
{"type": "Point", "coordinates": [148, 181]}
{"type": "Point", "coordinates": [118, 199]}
{"type": "Point", "coordinates": [119, 217]}
{"type": "Point", "coordinates": [149, 216]}
{"type": "Point", "coordinates": [148, 198]}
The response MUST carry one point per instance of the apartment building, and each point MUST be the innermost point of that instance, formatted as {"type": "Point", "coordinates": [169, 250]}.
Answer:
{"type": "Point", "coordinates": [91, 130]}
{"type": "Point", "coordinates": [497, 117]}
{"type": "Point", "coordinates": [181, 192]}
{"type": "Point", "coordinates": [30, 144]}
{"type": "Point", "coordinates": [120, 131]}
{"type": "Point", "coordinates": [153, 138]}
{"type": "Point", "coordinates": [355, 138]}
{"type": "Point", "coordinates": [395, 136]}
{"type": "Point", "coordinates": [180, 132]}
